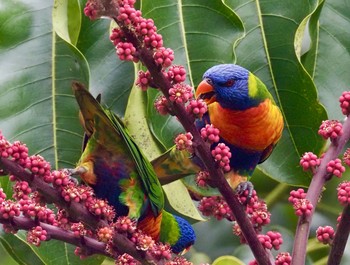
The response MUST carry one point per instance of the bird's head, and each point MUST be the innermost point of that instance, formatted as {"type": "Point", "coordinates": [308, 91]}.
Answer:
{"type": "Point", "coordinates": [186, 237]}
{"type": "Point", "coordinates": [227, 84]}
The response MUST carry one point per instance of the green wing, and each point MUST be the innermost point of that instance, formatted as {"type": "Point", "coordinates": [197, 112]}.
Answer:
{"type": "Point", "coordinates": [144, 168]}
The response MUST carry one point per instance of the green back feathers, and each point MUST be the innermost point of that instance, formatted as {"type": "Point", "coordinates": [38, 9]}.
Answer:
{"type": "Point", "coordinates": [146, 172]}
{"type": "Point", "coordinates": [94, 114]}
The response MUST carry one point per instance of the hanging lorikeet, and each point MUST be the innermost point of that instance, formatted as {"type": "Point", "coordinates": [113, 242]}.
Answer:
{"type": "Point", "coordinates": [249, 120]}
{"type": "Point", "coordinates": [114, 166]}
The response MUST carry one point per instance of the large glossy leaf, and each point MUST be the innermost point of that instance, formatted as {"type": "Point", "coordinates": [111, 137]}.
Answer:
{"type": "Point", "coordinates": [328, 60]}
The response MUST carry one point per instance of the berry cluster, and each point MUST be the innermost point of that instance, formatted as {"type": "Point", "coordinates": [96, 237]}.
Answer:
{"type": "Point", "coordinates": [256, 210]}
{"type": "Point", "coordinates": [210, 134]}
{"type": "Point", "coordinates": [180, 93]}
{"type": "Point", "coordinates": [196, 108]}
{"type": "Point", "coordinates": [202, 178]}
{"type": "Point", "coordinates": [344, 193]}
{"type": "Point", "coordinates": [335, 167]}
{"type": "Point", "coordinates": [331, 129]}
{"type": "Point", "coordinates": [215, 206]}
{"type": "Point", "coordinates": [184, 142]}
{"type": "Point", "coordinates": [309, 161]}
{"type": "Point", "coordinates": [325, 234]}
{"type": "Point", "coordinates": [283, 258]}
{"type": "Point", "coordinates": [222, 155]}
{"type": "Point", "coordinates": [36, 235]}
{"type": "Point", "coordinates": [344, 100]}
{"type": "Point", "coordinates": [303, 207]}
{"type": "Point", "coordinates": [32, 207]}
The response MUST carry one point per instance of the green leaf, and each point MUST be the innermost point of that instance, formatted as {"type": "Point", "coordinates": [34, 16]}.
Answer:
{"type": "Point", "coordinates": [227, 260]}
{"type": "Point", "coordinates": [38, 88]}
{"type": "Point", "coordinates": [328, 59]}
{"type": "Point", "coordinates": [19, 250]}
{"type": "Point", "coordinates": [51, 252]}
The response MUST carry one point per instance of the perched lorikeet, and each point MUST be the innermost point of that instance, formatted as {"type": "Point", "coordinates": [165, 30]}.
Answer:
{"type": "Point", "coordinates": [249, 120]}
{"type": "Point", "coordinates": [114, 166]}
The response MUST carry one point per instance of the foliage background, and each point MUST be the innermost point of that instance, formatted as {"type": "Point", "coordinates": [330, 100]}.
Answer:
{"type": "Point", "coordinates": [44, 45]}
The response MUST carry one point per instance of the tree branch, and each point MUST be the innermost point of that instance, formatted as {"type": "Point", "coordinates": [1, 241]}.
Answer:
{"type": "Point", "coordinates": [76, 211]}
{"type": "Point", "coordinates": [313, 195]}
{"type": "Point", "coordinates": [341, 238]}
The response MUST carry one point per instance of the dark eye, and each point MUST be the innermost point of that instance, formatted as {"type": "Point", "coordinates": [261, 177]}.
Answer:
{"type": "Point", "coordinates": [209, 81]}
{"type": "Point", "coordinates": [229, 83]}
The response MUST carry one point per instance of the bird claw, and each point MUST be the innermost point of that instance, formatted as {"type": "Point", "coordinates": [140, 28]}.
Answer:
{"type": "Point", "coordinates": [242, 187]}
{"type": "Point", "coordinates": [72, 172]}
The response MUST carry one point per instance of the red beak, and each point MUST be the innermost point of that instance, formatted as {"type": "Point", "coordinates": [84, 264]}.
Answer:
{"type": "Point", "coordinates": [206, 92]}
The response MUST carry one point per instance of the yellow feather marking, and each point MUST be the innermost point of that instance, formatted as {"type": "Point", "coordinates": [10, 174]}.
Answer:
{"type": "Point", "coordinates": [255, 128]}
{"type": "Point", "coordinates": [234, 179]}
{"type": "Point", "coordinates": [86, 172]}
{"type": "Point", "coordinates": [252, 86]}
{"type": "Point", "coordinates": [131, 196]}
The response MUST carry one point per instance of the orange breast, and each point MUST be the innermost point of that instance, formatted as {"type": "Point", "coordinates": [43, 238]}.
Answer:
{"type": "Point", "coordinates": [255, 128]}
{"type": "Point", "coordinates": [150, 225]}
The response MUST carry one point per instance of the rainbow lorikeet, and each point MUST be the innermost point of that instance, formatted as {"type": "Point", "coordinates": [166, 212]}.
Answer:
{"type": "Point", "coordinates": [114, 166]}
{"type": "Point", "coordinates": [249, 120]}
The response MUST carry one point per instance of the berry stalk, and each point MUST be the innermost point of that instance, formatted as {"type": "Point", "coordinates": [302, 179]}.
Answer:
{"type": "Point", "coordinates": [340, 238]}
{"type": "Point", "coordinates": [318, 181]}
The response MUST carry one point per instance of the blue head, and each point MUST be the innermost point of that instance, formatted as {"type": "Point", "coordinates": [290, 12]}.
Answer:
{"type": "Point", "coordinates": [227, 84]}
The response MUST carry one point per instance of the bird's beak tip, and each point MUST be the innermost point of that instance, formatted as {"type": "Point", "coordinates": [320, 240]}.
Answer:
{"type": "Point", "coordinates": [206, 92]}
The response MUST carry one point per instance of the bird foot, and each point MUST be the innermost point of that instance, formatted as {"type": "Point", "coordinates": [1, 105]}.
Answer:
{"type": "Point", "coordinates": [72, 172]}
{"type": "Point", "coordinates": [242, 187]}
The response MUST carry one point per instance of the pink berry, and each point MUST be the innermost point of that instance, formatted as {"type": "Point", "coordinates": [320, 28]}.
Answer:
{"type": "Point", "coordinates": [295, 195]}
{"type": "Point", "coordinates": [283, 258]}
{"type": "Point", "coordinates": [325, 234]}
{"type": "Point", "coordinates": [197, 108]}
{"type": "Point", "coordinates": [335, 167]}
{"type": "Point", "coordinates": [222, 155]}
{"type": "Point", "coordinates": [162, 106]}
{"type": "Point", "coordinates": [184, 142]}
{"type": "Point", "coordinates": [210, 133]}
{"type": "Point", "coordinates": [344, 100]}
{"type": "Point", "coordinates": [309, 161]}
{"type": "Point", "coordinates": [344, 193]}
{"type": "Point", "coordinates": [330, 129]}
